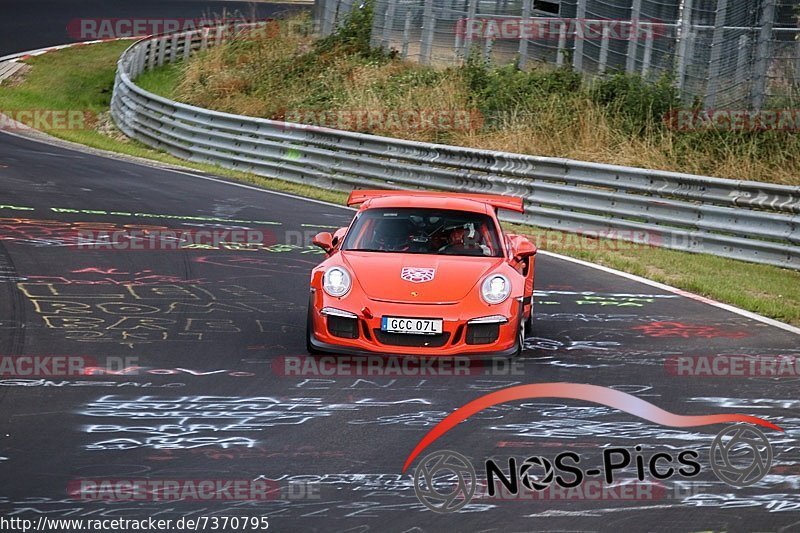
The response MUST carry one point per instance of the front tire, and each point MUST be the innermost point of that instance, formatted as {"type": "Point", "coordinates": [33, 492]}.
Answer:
{"type": "Point", "coordinates": [310, 330]}
{"type": "Point", "coordinates": [521, 338]}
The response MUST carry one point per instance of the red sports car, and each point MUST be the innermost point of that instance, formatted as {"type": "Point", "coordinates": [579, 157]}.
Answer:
{"type": "Point", "coordinates": [422, 273]}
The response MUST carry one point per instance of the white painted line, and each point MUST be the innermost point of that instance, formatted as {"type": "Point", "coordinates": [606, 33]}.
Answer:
{"type": "Point", "coordinates": [254, 188]}
{"type": "Point", "coordinates": [18, 56]}
{"type": "Point", "coordinates": [679, 292]}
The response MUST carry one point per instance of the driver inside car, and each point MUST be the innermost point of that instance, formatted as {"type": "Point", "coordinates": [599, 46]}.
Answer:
{"type": "Point", "coordinates": [392, 236]}
{"type": "Point", "coordinates": [462, 242]}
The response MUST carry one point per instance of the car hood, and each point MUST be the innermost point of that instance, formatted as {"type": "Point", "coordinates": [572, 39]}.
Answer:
{"type": "Point", "coordinates": [379, 274]}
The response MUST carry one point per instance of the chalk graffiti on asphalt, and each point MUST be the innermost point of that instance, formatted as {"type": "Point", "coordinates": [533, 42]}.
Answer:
{"type": "Point", "coordinates": [187, 422]}
{"type": "Point", "coordinates": [133, 314]}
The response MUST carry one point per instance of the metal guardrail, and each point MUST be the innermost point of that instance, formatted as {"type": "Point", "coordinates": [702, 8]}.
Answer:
{"type": "Point", "coordinates": [751, 221]}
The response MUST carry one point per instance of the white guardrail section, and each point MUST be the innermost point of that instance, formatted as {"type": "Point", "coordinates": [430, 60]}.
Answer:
{"type": "Point", "coordinates": [752, 221]}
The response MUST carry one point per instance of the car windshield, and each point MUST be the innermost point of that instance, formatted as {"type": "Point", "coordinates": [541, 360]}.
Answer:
{"type": "Point", "coordinates": [424, 231]}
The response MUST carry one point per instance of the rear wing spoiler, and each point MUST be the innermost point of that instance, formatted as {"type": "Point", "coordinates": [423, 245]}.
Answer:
{"type": "Point", "coordinates": [511, 203]}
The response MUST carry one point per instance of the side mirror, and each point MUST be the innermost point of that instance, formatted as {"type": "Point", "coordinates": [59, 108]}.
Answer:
{"type": "Point", "coordinates": [324, 240]}
{"type": "Point", "coordinates": [522, 248]}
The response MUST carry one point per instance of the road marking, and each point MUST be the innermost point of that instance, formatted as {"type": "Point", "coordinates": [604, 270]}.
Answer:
{"type": "Point", "coordinates": [679, 292]}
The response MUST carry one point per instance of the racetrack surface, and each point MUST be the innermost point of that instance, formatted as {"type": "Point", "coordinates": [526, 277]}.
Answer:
{"type": "Point", "coordinates": [221, 322]}
{"type": "Point", "coordinates": [207, 338]}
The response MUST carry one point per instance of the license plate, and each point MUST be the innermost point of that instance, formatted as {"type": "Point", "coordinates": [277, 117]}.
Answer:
{"type": "Point", "coordinates": [412, 326]}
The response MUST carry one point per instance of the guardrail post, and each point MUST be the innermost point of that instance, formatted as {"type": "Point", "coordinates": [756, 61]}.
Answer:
{"type": "Point", "coordinates": [742, 59]}
{"type": "Point", "coordinates": [561, 53]}
{"type": "Point", "coordinates": [683, 42]}
{"type": "Point", "coordinates": [648, 51]}
{"type": "Point", "coordinates": [488, 44]}
{"type": "Point", "coordinates": [345, 6]}
{"type": "Point", "coordinates": [187, 45]}
{"type": "Point", "coordinates": [691, 41]}
{"type": "Point", "coordinates": [140, 59]}
{"type": "Point", "coordinates": [328, 14]}
{"type": "Point", "coordinates": [204, 39]}
{"type": "Point", "coordinates": [523, 42]}
{"type": "Point", "coordinates": [318, 14]}
{"type": "Point", "coordinates": [151, 54]}
{"type": "Point", "coordinates": [375, 28]}
{"type": "Point", "coordinates": [406, 33]}
{"type": "Point", "coordinates": [460, 28]}
{"type": "Point", "coordinates": [472, 9]}
{"type": "Point", "coordinates": [173, 48]}
{"type": "Point", "coordinates": [633, 44]}
{"type": "Point", "coordinates": [762, 55]}
{"type": "Point", "coordinates": [388, 21]}
{"type": "Point", "coordinates": [716, 54]}
{"type": "Point", "coordinates": [162, 50]}
{"type": "Point", "coordinates": [797, 58]}
{"type": "Point", "coordinates": [428, 24]}
{"type": "Point", "coordinates": [604, 44]}
{"type": "Point", "coordinates": [580, 18]}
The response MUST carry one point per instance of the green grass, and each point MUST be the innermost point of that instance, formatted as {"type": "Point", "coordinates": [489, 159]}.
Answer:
{"type": "Point", "coordinates": [162, 81]}
{"type": "Point", "coordinates": [762, 289]}
{"type": "Point", "coordinates": [82, 78]}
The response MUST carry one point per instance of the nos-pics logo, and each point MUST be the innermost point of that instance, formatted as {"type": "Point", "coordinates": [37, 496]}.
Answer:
{"type": "Point", "coordinates": [445, 481]}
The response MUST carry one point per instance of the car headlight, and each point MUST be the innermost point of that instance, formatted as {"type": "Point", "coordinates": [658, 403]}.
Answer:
{"type": "Point", "coordinates": [495, 289]}
{"type": "Point", "coordinates": [336, 281]}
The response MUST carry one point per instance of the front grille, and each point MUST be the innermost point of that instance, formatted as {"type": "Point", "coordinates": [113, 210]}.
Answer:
{"type": "Point", "coordinates": [482, 333]}
{"type": "Point", "coordinates": [365, 330]}
{"type": "Point", "coordinates": [343, 327]}
{"type": "Point", "coordinates": [458, 334]}
{"type": "Point", "coordinates": [414, 341]}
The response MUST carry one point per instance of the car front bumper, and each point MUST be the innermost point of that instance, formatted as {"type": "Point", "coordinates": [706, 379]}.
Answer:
{"type": "Point", "coordinates": [353, 326]}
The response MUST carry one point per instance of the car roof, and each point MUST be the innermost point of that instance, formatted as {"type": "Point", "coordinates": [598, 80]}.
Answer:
{"type": "Point", "coordinates": [454, 204]}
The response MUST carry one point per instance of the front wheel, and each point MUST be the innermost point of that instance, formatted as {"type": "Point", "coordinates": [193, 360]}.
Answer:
{"type": "Point", "coordinates": [521, 338]}
{"type": "Point", "coordinates": [310, 330]}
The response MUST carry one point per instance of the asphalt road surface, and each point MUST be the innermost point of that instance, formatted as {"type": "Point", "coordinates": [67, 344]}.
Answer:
{"type": "Point", "coordinates": [206, 336]}
{"type": "Point", "coordinates": [210, 384]}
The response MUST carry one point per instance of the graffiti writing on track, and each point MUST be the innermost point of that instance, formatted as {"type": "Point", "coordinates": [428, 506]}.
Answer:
{"type": "Point", "coordinates": [687, 331]}
{"type": "Point", "coordinates": [189, 422]}
{"type": "Point", "coordinates": [130, 314]}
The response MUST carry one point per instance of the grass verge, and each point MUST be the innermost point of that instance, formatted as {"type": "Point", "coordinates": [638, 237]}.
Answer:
{"type": "Point", "coordinates": [341, 82]}
{"type": "Point", "coordinates": [82, 78]}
